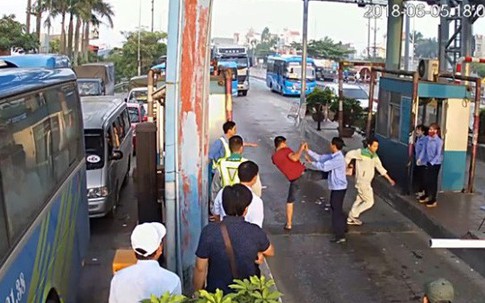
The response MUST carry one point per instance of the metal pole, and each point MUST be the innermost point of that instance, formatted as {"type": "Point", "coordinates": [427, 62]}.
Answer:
{"type": "Point", "coordinates": [304, 53]}
{"type": "Point", "coordinates": [368, 38]}
{"type": "Point", "coordinates": [406, 43]}
{"type": "Point", "coordinates": [340, 98]}
{"type": "Point", "coordinates": [371, 102]}
{"type": "Point", "coordinates": [174, 46]}
{"type": "Point", "coordinates": [375, 38]}
{"type": "Point", "coordinates": [476, 127]}
{"type": "Point", "coordinates": [139, 38]}
{"type": "Point", "coordinates": [394, 35]}
{"type": "Point", "coordinates": [153, 7]}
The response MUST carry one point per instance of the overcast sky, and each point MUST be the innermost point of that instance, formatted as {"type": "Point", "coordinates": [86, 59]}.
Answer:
{"type": "Point", "coordinates": [341, 22]}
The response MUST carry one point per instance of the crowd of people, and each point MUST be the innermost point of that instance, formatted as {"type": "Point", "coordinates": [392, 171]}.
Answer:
{"type": "Point", "coordinates": [233, 245]}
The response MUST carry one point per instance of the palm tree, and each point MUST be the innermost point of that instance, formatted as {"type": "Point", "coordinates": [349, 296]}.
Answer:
{"type": "Point", "coordinates": [56, 8]}
{"type": "Point", "coordinates": [98, 9]}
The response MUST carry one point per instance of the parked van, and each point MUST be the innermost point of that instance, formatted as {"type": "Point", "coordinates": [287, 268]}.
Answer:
{"type": "Point", "coordinates": [108, 137]}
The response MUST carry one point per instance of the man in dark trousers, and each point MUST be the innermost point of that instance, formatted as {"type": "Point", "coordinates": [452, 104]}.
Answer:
{"type": "Point", "coordinates": [335, 165]}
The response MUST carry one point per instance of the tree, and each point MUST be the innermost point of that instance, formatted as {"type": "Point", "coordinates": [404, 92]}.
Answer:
{"type": "Point", "coordinates": [324, 48]}
{"type": "Point", "coordinates": [14, 34]}
{"type": "Point", "coordinates": [478, 68]}
{"type": "Point", "coordinates": [424, 47]}
{"type": "Point", "coordinates": [152, 46]}
{"type": "Point", "coordinates": [55, 46]}
{"type": "Point", "coordinates": [267, 45]}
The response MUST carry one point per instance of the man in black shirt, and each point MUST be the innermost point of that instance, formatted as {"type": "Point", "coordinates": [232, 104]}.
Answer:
{"type": "Point", "coordinates": [236, 255]}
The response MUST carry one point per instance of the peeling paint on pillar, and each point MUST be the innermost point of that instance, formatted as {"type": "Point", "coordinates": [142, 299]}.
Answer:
{"type": "Point", "coordinates": [192, 136]}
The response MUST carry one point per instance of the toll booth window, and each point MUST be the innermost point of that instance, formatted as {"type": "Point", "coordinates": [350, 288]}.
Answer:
{"type": "Point", "coordinates": [394, 123]}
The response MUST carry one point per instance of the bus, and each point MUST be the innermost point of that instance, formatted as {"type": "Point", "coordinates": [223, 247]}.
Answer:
{"type": "Point", "coordinates": [232, 66]}
{"type": "Point", "coordinates": [239, 55]}
{"type": "Point", "coordinates": [38, 60]}
{"type": "Point", "coordinates": [44, 220]}
{"type": "Point", "coordinates": [283, 75]}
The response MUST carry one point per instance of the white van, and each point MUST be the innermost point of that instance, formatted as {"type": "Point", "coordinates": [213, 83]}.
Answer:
{"type": "Point", "coordinates": [108, 139]}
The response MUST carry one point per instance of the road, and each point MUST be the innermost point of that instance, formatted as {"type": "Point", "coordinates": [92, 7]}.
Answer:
{"type": "Point", "coordinates": [107, 235]}
{"type": "Point", "coordinates": [385, 260]}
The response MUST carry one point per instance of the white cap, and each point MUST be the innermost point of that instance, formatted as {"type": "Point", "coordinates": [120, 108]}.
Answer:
{"type": "Point", "coordinates": [147, 237]}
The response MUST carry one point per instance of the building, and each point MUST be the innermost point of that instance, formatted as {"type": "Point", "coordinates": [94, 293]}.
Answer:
{"type": "Point", "coordinates": [223, 41]}
{"type": "Point", "coordinates": [479, 46]}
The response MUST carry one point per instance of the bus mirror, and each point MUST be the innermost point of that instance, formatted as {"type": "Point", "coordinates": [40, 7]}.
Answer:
{"type": "Point", "coordinates": [116, 155]}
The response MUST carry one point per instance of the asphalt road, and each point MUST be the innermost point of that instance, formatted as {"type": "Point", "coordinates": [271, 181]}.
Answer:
{"type": "Point", "coordinates": [385, 260]}
{"type": "Point", "coordinates": [388, 259]}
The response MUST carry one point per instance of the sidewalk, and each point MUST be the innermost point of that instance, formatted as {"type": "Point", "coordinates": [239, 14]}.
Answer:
{"type": "Point", "coordinates": [458, 215]}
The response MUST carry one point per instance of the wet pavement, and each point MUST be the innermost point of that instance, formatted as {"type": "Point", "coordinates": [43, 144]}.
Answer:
{"type": "Point", "coordinates": [388, 259]}
{"type": "Point", "coordinates": [107, 235]}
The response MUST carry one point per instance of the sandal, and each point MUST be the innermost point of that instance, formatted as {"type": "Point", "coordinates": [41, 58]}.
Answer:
{"type": "Point", "coordinates": [287, 227]}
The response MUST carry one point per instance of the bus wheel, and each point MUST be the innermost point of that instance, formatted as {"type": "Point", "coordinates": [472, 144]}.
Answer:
{"type": "Point", "coordinates": [244, 93]}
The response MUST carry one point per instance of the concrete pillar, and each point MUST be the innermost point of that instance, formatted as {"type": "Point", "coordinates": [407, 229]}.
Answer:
{"type": "Point", "coordinates": [186, 134]}
{"type": "Point", "coordinates": [394, 35]}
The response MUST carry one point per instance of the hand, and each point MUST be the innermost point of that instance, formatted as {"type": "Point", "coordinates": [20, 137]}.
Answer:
{"type": "Point", "coordinates": [419, 162]}
{"type": "Point", "coordinates": [260, 259]}
{"type": "Point", "coordinates": [253, 144]}
{"type": "Point", "coordinates": [392, 182]}
{"type": "Point", "coordinates": [307, 158]}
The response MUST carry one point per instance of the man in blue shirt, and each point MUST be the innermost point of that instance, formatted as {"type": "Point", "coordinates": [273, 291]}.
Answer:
{"type": "Point", "coordinates": [335, 165]}
{"type": "Point", "coordinates": [431, 156]}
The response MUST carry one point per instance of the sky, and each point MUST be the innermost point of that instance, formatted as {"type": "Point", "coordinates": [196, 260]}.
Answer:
{"type": "Point", "coordinates": [341, 22]}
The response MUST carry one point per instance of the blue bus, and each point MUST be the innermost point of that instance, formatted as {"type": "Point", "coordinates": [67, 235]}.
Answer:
{"type": "Point", "coordinates": [44, 221]}
{"type": "Point", "coordinates": [283, 75]}
{"type": "Point", "coordinates": [38, 60]}
{"type": "Point", "coordinates": [233, 66]}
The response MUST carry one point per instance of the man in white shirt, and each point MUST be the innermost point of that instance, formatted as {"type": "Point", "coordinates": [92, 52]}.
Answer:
{"type": "Point", "coordinates": [248, 176]}
{"type": "Point", "coordinates": [146, 278]}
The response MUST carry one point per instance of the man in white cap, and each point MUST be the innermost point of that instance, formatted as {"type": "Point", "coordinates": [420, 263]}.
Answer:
{"type": "Point", "coordinates": [439, 291]}
{"type": "Point", "coordinates": [146, 278]}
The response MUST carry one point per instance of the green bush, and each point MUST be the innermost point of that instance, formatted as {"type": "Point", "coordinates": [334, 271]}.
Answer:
{"type": "Point", "coordinates": [252, 290]}
{"type": "Point", "coordinates": [318, 98]}
{"type": "Point", "coordinates": [352, 111]}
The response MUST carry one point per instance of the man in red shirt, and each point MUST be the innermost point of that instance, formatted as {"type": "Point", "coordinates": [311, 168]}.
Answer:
{"type": "Point", "coordinates": [288, 162]}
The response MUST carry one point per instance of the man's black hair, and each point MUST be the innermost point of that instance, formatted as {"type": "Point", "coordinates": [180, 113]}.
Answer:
{"type": "Point", "coordinates": [247, 171]}
{"type": "Point", "coordinates": [235, 199]}
{"type": "Point", "coordinates": [278, 140]}
{"type": "Point", "coordinates": [371, 140]}
{"type": "Point", "coordinates": [235, 143]}
{"type": "Point", "coordinates": [228, 126]}
{"type": "Point", "coordinates": [338, 142]}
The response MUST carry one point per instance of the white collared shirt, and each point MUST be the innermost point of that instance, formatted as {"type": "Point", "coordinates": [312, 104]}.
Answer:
{"type": "Point", "coordinates": [141, 281]}
{"type": "Point", "coordinates": [255, 213]}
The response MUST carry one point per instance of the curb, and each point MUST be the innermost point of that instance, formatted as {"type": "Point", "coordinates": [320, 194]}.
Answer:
{"type": "Point", "coordinates": [266, 271]}
{"type": "Point", "coordinates": [412, 210]}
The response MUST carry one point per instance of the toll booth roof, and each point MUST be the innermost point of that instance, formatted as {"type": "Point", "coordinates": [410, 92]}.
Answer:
{"type": "Point", "coordinates": [425, 89]}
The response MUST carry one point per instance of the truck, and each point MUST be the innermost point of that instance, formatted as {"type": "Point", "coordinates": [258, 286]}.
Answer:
{"type": "Point", "coordinates": [239, 55]}
{"type": "Point", "coordinates": [101, 74]}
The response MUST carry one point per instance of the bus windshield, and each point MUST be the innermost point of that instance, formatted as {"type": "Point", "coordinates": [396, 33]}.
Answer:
{"type": "Point", "coordinates": [294, 72]}
{"type": "Point", "coordinates": [240, 61]}
{"type": "Point", "coordinates": [94, 142]}
{"type": "Point", "coordinates": [89, 88]}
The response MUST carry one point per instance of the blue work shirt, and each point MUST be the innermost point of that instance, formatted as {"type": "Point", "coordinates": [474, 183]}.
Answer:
{"type": "Point", "coordinates": [432, 152]}
{"type": "Point", "coordinates": [247, 240]}
{"type": "Point", "coordinates": [335, 165]}
{"type": "Point", "coordinates": [216, 152]}
{"type": "Point", "coordinates": [418, 148]}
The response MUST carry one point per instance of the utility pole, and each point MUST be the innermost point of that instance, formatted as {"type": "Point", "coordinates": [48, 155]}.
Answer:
{"type": "Point", "coordinates": [153, 9]}
{"type": "Point", "coordinates": [139, 42]}
{"type": "Point", "coordinates": [368, 38]}
{"type": "Point", "coordinates": [304, 56]}
{"type": "Point", "coordinates": [28, 11]}
{"type": "Point", "coordinates": [406, 42]}
{"type": "Point", "coordinates": [375, 38]}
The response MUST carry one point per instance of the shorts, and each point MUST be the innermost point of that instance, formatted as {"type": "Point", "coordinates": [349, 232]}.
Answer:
{"type": "Point", "coordinates": [295, 185]}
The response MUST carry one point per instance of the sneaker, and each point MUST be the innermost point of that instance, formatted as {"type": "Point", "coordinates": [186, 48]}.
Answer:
{"type": "Point", "coordinates": [338, 240]}
{"type": "Point", "coordinates": [423, 199]}
{"type": "Point", "coordinates": [353, 221]}
{"type": "Point", "coordinates": [431, 204]}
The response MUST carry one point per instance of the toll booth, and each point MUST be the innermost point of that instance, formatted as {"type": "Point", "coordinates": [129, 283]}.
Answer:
{"type": "Point", "coordinates": [447, 104]}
